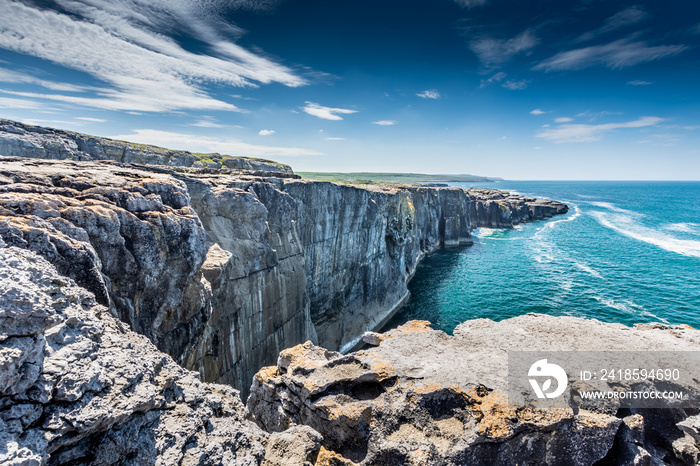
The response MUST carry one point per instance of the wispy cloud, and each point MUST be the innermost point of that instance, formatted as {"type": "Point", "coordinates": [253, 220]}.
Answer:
{"type": "Point", "coordinates": [206, 123]}
{"type": "Point", "coordinates": [511, 84]}
{"type": "Point", "coordinates": [516, 85]}
{"type": "Point", "coordinates": [91, 120]}
{"type": "Point", "coordinates": [9, 76]}
{"type": "Point", "coordinates": [637, 82]}
{"type": "Point", "coordinates": [470, 3]}
{"type": "Point", "coordinates": [335, 139]}
{"type": "Point", "coordinates": [618, 54]}
{"type": "Point", "coordinates": [621, 19]}
{"type": "Point", "coordinates": [590, 133]}
{"type": "Point", "coordinates": [266, 132]}
{"type": "Point", "coordinates": [327, 113]}
{"type": "Point", "coordinates": [537, 111]}
{"type": "Point", "coordinates": [494, 52]}
{"type": "Point", "coordinates": [563, 119]}
{"type": "Point", "coordinates": [592, 116]}
{"type": "Point", "coordinates": [144, 69]}
{"type": "Point", "coordinates": [384, 122]}
{"type": "Point", "coordinates": [198, 143]}
{"type": "Point", "coordinates": [8, 102]}
{"type": "Point", "coordinates": [498, 77]}
{"type": "Point", "coordinates": [429, 94]}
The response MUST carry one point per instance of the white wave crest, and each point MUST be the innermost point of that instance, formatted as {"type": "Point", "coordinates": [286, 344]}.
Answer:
{"type": "Point", "coordinates": [482, 232]}
{"type": "Point", "coordinates": [627, 225]}
{"type": "Point", "coordinates": [614, 208]}
{"type": "Point", "coordinates": [587, 269]}
{"type": "Point", "coordinates": [628, 307]}
{"type": "Point", "coordinates": [552, 223]}
{"type": "Point", "coordinates": [692, 228]}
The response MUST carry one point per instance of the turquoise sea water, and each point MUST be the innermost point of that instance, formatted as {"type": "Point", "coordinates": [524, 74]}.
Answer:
{"type": "Point", "coordinates": [626, 252]}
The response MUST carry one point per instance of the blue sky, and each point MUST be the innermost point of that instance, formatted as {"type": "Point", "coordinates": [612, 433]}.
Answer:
{"type": "Point", "coordinates": [555, 89]}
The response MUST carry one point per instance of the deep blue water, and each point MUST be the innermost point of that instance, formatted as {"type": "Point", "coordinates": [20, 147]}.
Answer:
{"type": "Point", "coordinates": [626, 252]}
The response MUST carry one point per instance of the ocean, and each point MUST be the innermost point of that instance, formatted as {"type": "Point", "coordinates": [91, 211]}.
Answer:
{"type": "Point", "coordinates": [626, 252]}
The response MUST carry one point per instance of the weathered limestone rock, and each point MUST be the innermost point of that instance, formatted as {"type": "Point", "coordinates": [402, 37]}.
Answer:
{"type": "Point", "coordinates": [18, 139]}
{"type": "Point", "coordinates": [128, 236]}
{"type": "Point", "coordinates": [76, 387]}
{"type": "Point", "coordinates": [423, 397]}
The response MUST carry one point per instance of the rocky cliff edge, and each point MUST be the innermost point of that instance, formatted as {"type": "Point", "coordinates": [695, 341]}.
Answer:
{"type": "Point", "coordinates": [22, 140]}
{"type": "Point", "coordinates": [421, 397]}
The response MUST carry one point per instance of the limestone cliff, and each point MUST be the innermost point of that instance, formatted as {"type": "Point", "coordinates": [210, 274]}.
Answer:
{"type": "Point", "coordinates": [224, 271]}
{"type": "Point", "coordinates": [422, 397]}
{"type": "Point", "coordinates": [18, 139]}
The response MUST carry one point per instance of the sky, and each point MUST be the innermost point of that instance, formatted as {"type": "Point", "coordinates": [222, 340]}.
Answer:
{"type": "Point", "coordinates": [543, 89]}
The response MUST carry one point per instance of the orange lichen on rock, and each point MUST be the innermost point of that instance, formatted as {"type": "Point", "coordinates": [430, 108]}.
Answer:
{"type": "Point", "coordinates": [266, 374]}
{"type": "Point", "coordinates": [412, 326]}
{"type": "Point", "coordinates": [330, 458]}
{"type": "Point", "coordinates": [306, 356]}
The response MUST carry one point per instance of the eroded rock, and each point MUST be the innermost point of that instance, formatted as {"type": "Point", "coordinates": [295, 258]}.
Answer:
{"type": "Point", "coordinates": [422, 397]}
{"type": "Point", "coordinates": [77, 387]}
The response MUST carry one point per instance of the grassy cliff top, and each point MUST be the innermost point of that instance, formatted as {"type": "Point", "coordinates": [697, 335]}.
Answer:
{"type": "Point", "coordinates": [390, 178]}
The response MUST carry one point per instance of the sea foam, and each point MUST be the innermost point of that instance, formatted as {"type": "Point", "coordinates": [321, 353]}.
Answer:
{"type": "Point", "coordinates": [627, 225]}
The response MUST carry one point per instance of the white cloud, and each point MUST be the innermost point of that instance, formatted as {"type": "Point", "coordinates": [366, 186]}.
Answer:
{"type": "Point", "coordinates": [470, 3]}
{"type": "Point", "coordinates": [335, 139]}
{"type": "Point", "coordinates": [429, 94]}
{"type": "Point", "coordinates": [590, 133]}
{"type": "Point", "coordinates": [637, 82]}
{"type": "Point", "coordinates": [498, 77]}
{"type": "Point", "coordinates": [618, 54]}
{"type": "Point", "coordinates": [197, 143]}
{"type": "Point", "coordinates": [7, 102]}
{"type": "Point", "coordinates": [563, 119]}
{"type": "Point", "coordinates": [238, 96]}
{"type": "Point", "coordinates": [515, 85]}
{"type": "Point", "coordinates": [626, 17]}
{"type": "Point", "coordinates": [592, 116]}
{"type": "Point", "coordinates": [143, 68]}
{"type": "Point", "coordinates": [327, 113]}
{"type": "Point", "coordinates": [266, 132]}
{"type": "Point", "coordinates": [494, 52]}
{"type": "Point", "coordinates": [384, 122]}
{"type": "Point", "coordinates": [9, 76]}
{"type": "Point", "coordinates": [537, 111]}
{"type": "Point", "coordinates": [92, 120]}
{"type": "Point", "coordinates": [206, 123]}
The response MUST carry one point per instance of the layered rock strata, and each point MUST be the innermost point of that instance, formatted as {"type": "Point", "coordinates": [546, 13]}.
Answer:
{"type": "Point", "coordinates": [421, 397]}
{"type": "Point", "coordinates": [224, 271]}
{"type": "Point", "coordinates": [18, 139]}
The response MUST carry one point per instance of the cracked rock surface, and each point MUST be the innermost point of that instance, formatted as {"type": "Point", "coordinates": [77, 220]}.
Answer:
{"type": "Point", "coordinates": [76, 387]}
{"type": "Point", "coordinates": [420, 396]}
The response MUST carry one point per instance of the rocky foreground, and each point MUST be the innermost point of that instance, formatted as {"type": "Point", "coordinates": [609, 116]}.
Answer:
{"type": "Point", "coordinates": [421, 397]}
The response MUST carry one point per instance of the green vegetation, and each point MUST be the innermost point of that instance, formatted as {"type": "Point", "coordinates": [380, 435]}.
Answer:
{"type": "Point", "coordinates": [391, 178]}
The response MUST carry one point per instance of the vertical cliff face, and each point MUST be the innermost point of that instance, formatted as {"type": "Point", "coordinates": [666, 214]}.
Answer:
{"type": "Point", "coordinates": [362, 245]}
{"type": "Point", "coordinates": [255, 266]}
